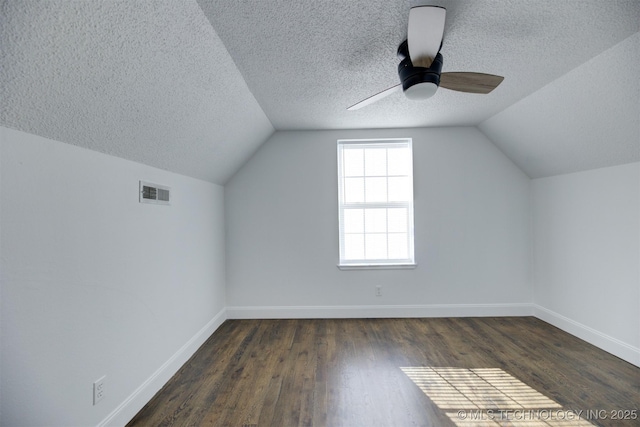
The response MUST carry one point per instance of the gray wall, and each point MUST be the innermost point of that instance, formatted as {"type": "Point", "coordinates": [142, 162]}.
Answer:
{"type": "Point", "coordinates": [586, 222]}
{"type": "Point", "coordinates": [472, 231]}
{"type": "Point", "coordinates": [587, 256]}
{"type": "Point", "coordinates": [95, 283]}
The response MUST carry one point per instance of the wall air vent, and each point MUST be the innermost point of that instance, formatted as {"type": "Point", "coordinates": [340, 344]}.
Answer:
{"type": "Point", "coordinates": [154, 193]}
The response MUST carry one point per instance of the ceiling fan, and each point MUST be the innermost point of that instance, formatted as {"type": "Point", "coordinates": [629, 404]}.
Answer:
{"type": "Point", "coordinates": [421, 62]}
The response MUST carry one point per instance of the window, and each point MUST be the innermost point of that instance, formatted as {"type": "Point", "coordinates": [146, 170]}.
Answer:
{"type": "Point", "coordinates": [375, 199]}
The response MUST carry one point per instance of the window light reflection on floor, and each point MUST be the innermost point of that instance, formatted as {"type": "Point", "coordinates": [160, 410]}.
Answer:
{"type": "Point", "coordinates": [490, 397]}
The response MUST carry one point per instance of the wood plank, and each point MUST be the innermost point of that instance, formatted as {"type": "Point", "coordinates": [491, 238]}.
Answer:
{"type": "Point", "coordinates": [348, 372]}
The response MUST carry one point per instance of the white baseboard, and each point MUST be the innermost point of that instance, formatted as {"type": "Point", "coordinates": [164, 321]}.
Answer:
{"type": "Point", "coordinates": [380, 311]}
{"type": "Point", "coordinates": [607, 343]}
{"type": "Point", "coordinates": [143, 394]}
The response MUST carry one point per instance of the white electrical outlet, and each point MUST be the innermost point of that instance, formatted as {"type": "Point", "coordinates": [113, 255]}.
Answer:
{"type": "Point", "coordinates": [98, 390]}
{"type": "Point", "coordinates": [379, 291]}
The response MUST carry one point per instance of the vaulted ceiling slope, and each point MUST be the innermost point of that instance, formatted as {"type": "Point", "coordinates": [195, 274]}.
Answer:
{"type": "Point", "coordinates": [146, 80]}
{"type": "Point", "coordinates": [588, 118]}
{"type": "Point", "coordinates": [307, 61]}
{"type": "Point", "coordinates": [196, 86]}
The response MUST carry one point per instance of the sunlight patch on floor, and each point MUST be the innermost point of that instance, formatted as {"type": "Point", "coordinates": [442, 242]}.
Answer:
{"type": "Point", "coordinates": [490, 397]}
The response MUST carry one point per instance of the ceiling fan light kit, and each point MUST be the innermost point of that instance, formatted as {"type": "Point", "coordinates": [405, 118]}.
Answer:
{"type": "Point", "coordinates": [420, 68]}
{"type": "Point", "coordinates": [419, 83]}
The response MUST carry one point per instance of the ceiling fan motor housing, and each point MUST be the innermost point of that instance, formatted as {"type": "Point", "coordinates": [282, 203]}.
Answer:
{"type": "Point", "coordinates": [420, 82]}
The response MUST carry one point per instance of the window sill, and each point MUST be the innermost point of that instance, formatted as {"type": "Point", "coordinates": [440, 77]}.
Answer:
{"type": "Point", "coordinates": [377, 266]}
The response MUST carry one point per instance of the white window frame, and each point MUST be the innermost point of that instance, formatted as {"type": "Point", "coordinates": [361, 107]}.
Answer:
{"type": "Point", "coordinates": [345, 264]}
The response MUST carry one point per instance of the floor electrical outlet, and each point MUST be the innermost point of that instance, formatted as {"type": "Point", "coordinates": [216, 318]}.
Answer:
{"type": "Point", "coordinates": [98, 390]}
{"type": "Point", "coordinates": [378, 291]}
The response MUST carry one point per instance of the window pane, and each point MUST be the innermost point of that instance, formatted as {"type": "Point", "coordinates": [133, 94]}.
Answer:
{"type": "Point", "coordinates": [353, 161]}
{"type": "Point", "coordinates": [398, 246]}
{"type": "Point", "coordinates": [376, 190]}
{"type": "Point", "coordinates": [376, 204]}
{"type": "Point", "coordinates": [376, 246]}
{"type": "Point", "coordinates": [397, 220]}
{"type": "Point", "coordinates": [353, 220]}
{"type": "Point", "coordinates": [398, 159]}
{"type": "Point", "coordinates": [375, 220]}
{"type": "Point", "coordinates": [375, 161]}
{"type": "Point", "coordinates": [399, 189]}
{"type": "Point", "coordinates": [354, 246]}
{"type": "Point", "coordinates": [353, 190]}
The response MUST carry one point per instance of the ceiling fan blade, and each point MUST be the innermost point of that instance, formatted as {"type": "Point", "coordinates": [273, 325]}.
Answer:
{"type": "Point", "coordinates": [425, 32]}
{"type": "Point", "coordinates": [470, 82]}
{"type": "Point", "coordinates": [378, 96]}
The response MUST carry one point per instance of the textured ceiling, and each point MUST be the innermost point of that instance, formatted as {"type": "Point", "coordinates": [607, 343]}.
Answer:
{"type": "Point", "coordinates": [146, 80]}
{"type": "Point", "coordinates": [586, 119]}
{"type": "Point", "coordinates": [196, 86]}
{"type": "Point", "coordinates": [305, 62]}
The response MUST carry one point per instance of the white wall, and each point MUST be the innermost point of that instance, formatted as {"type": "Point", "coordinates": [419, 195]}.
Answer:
{"type": "Point", "coordinates": [587, 256]}
{"type": "Point", "coordinates": [95, 283]}
{"type": "Point", "coordinates": [472, 226]}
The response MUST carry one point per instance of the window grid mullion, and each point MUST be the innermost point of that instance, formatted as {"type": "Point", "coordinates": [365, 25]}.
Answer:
{"type": "Point", "coordinates": [342, 198]}
{"type": "Point", "coordinates": [364, 197]}
{"type": "Point", "coordinates": [376, 205]}
{"type": "Point", "coordinates": [344, 206]}
{"type": "Point", "coordinates": [386, 211]}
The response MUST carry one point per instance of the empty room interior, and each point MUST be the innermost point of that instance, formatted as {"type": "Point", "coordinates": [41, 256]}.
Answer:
{"type": "Point", "coordinates": [327, 213]}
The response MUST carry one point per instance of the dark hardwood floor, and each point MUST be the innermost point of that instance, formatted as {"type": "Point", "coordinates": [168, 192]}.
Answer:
{"type": "Point", "coordinates": [397, 372]}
